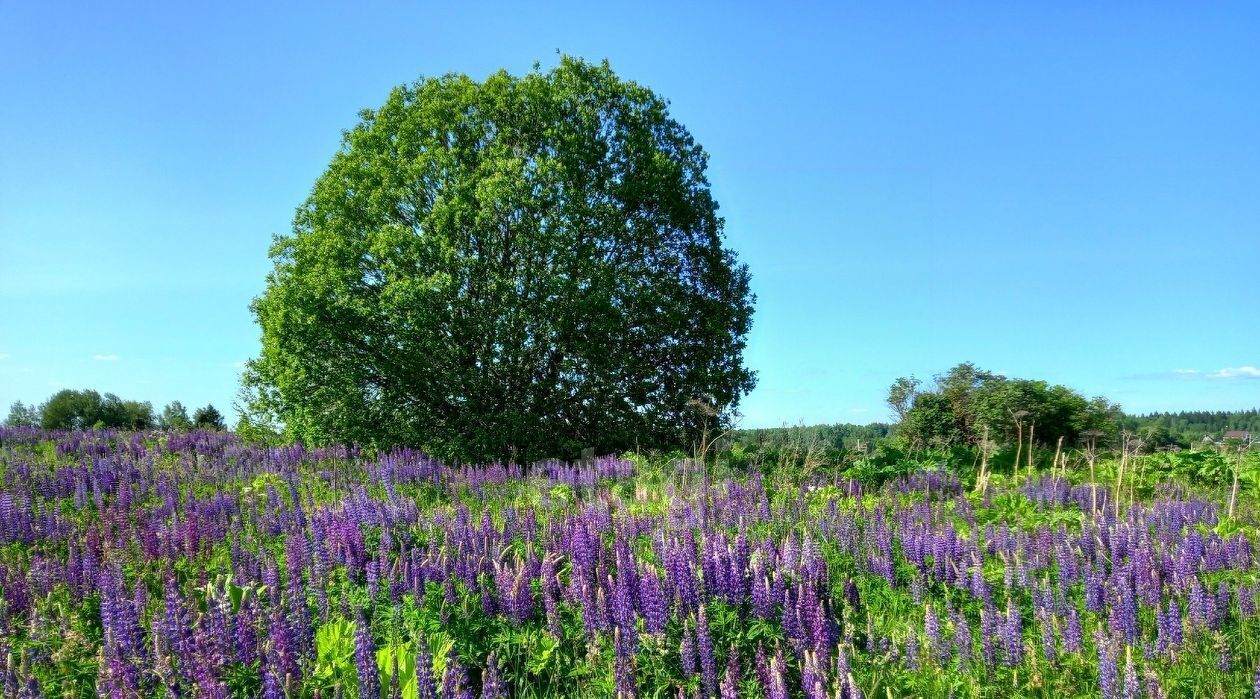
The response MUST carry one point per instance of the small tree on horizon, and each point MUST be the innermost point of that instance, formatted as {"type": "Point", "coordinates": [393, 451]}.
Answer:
{"type": "Point", "coordinates": [209, 418]}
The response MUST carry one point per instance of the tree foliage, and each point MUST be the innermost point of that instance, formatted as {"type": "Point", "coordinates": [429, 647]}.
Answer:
{"type": "Point", "coordinates": [175, 417]}
{"type": "Point", "coordinates": [966, 402]}
{"type": "Point", "coordinates": [208, 418]}
{"type": "Point", "coordinates": [69, 409]}
{"type": "Point", "coordinates": [22, 415]}
{"type": "Point", "coordinates": [516, 268]}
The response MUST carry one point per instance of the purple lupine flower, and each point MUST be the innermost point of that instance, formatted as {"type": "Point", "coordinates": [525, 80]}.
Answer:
{"type": "Point", "coordinates": [31, 690]}
{"type": "Point", "coordinates": [989, 635]}
{"type": "Point", "coordinates": [623, 665]}
{"type": "Point", "coordinates": [761, 664]}
{"type": "Point", "coordinates": [652, 601]}
{"type": "Point", "coordinates": [1072, 641]}
{"type": "Point", "coordinates": [365, 660]}
{"type": "Point", "coordinates": [962, 640]}
{"type": "Point", "coordinates": [1132, 690]}
{"type": "Point", "coordinates": [426, 687]}
{"type": "Point", "coordinates": [776, 687]}
{"type": "Point", "coordinates": [687, 652]}
{"type": "Point", "coordinates": [1012, 635]}
{"type": "Point", "coordinates": [704, 645]}
{"type": "Point", "coordinates": [1168, 629]}
{"type": "Point", "coordinates": [762, 608]}
{"type": "Point", "coordinates": [1048, 648]}
{"type": "Point", "coordinates": [932, 632]}
{"type": "Point", "coordinates": [729, 689]}
{"type": "Point", "coordinates": [1246, 597]}
{"type": "Point", "coordinates": [491, 685]}
{"type": "Point", "coordinates": [1153, 688]}
{"type": "Point", "coordinates": [272, 683]}
{"type": "Point", "coordinates": [1107, 673]}
{"type": "Point", "coordinates": [813, 678]}
{"type": "Point", "coordinates": [455, 680]}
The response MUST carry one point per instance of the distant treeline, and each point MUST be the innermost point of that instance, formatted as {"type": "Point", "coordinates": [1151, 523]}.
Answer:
{"type": "Point", "coordinates": [88, 409]}
{"type": "Point", "coordinates": [839, 437]}
{"type": "Point", "coordinates": [970, 408]}
{"type": "Point", "coordinates": [1157, 430]}
{"type": "Point", "coordinates": [1185, 428]}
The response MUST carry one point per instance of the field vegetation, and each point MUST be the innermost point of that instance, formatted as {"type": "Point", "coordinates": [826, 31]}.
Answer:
{"type": "Point", "coordinates": [195, 564]}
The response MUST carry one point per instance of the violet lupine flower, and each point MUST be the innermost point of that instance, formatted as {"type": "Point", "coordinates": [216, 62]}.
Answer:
{"type": "Point", "coordinates": [1012, 634]}
{"type": "Point", "coordinates": [455, 680]}
{"type": "Point", "coordinates": [272, 684]}
{"type": "Point", "coordinates": [426, 687]}
{"type": "Point", "coordinates": [623, 665]}
{"type": "Point", "coordinates": [1132, 690]}
{"type": "Point", "coordinates": [687, 652]}
{"type": "Point", "coordinates": [813, 677]}
{"type": "Point", "coordinates": [761, 606]}
{"type": "Point", "coordinates": [652, 602]}
{"type": "Point", "coordinates": [729, 689]}
{"type": "Point", "coordinates": [246, 627]}
{"type": "Point", "coordinates": [365, 661]}
{"type": "Point", "coordinates": [1048, 648]}
{"type": "Point", "coordinates": [963, 643]}
{"type": "Point", "coordinates": [491, 685]}
{"type": "Point", "coordinates": [1107, 673]}
{"type": "Point", "coordinates": [31, 690]}
{"type": "Point", "coordinates": [704, 644]}
{"type": "Point", "coordinates": [1072, 641]}
{"type": "Point", "coordinates": [761, 664]}
{"type": "Point", "coordinates": [776, 688]}
{"type": "Point", "coordinates": [932, 632]}
{"type": "Point", "coordinates": [1168, 629]}
{"type": "Point", "coordinates": [989, 635]}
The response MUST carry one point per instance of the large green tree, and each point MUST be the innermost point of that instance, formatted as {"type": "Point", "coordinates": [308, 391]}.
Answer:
{"type": "Point", "coordinates": [516, 268]}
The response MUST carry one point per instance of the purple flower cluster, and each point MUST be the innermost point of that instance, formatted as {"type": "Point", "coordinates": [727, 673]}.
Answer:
{"type": "Point", "coordinates": [205, 560]}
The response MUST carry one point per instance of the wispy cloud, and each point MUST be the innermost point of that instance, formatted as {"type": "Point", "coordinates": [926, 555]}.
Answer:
{"type": "Point", "coordinates": [1225, 374]}
{"type": "Point", "coordinates": [4, 356]}
{"type": "Point", "coordinates": [105, 357]}
{"type": "Point", "coordinates": [1239, 372]}
{"type": "Point", "coordinates": [238, 365]}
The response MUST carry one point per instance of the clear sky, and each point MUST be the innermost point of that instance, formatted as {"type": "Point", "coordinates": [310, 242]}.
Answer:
{"type": "Point", "coordinates": [1058, 190]}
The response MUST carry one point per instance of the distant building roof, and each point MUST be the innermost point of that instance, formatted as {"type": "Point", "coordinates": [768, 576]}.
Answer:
{"type": "Point", "coordinates": [1237, 434]}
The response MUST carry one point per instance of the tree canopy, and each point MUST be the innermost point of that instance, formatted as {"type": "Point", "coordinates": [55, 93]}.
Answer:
{"type": "Point", "coordinates": [208, 418]}
{"type": "Point", "coordinates": [516, 268]}
{"type": "Point", "coordinates": [69, 409]}
{"type": "Point", "coordinates": [967, 402]}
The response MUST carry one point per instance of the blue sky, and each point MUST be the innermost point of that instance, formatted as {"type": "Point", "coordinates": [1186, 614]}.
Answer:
{"type": "Point", "coordinates": [1050, 190]}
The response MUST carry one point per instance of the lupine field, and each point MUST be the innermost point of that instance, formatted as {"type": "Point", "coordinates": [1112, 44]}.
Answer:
{"type": "Point", "coordinates": [146, 565]}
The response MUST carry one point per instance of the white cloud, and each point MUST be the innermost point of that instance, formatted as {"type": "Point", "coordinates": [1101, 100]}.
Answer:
{"type": "Point", "coordinates": [4, 356]}
{"type": "Point", "coordinates": [238, 365]}
{"type": "Point", "coordinates": [105, 357]}
{"type": "Point", "coordinates": [1241, 372]}
{"type": "Point", "coordinates": [1228, 373]}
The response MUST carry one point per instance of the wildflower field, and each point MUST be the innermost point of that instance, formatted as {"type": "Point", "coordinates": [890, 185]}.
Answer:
{"type": "Point", "coordinates": [151, 564]}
